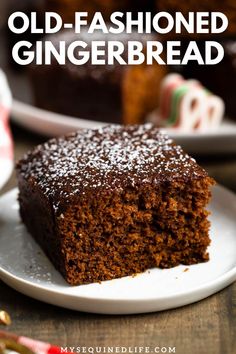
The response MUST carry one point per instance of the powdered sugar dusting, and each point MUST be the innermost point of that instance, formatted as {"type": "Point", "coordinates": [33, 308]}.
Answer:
{"type": "Point", "coordinates": [113, 157]}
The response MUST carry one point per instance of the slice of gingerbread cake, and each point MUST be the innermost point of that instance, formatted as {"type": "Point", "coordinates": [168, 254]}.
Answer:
{"type": "Point", "coordinates": [115, 201]}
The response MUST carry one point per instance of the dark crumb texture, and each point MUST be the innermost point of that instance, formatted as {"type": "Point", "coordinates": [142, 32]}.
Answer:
{"type": "Point", "coordinates": [115, 201]}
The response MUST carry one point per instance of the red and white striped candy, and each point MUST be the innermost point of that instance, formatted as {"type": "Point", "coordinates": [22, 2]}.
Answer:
{"type": "Point", "coordinates": [187, 106]}
{"type": "Point", "coordinates": [6, 145]}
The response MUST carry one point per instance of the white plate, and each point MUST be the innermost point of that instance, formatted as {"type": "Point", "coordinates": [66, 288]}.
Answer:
{"type": "Point", "coordinates": [6, 168]}
{"type": "Point", "coordinates": [25, 268]}
{"type": "Point", "coordinates": [52, 124]}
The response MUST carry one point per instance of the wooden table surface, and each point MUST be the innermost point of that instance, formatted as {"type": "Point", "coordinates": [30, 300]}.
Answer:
{"type": "Point", "coordinates": [206, 327]}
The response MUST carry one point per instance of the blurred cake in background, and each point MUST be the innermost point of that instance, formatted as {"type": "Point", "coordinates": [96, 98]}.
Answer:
{"type": "Point", "coordinates": [111, 93]}
{"type": "Point", "coordinates": [228, 7]}
{"type": "Point", "coordinates": [67, 8]}
{"type": "Point", "coordinates": [122, 93]}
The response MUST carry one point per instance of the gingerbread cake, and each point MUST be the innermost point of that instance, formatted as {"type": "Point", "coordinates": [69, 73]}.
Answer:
{"type": "Point", "coordinates": [111, 93]}
{"type": "Point", "coordinates": [115, 201]}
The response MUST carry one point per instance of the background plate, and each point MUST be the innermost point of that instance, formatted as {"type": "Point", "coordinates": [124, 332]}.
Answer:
{"type": "Point", "coordinates": [25, 268]}
{"type": "Point", "coordinates": [51, 124]}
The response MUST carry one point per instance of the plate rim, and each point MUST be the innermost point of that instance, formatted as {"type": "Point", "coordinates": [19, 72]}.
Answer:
{"type": "Point", "coordinates": [218, 283]}
{"type": "Point", "coordinates": [6, 174]}
{"type": "Point", "coordinates": [82, 123]}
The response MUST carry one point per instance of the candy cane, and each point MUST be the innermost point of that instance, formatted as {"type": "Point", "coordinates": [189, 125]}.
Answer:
{"type": "Point", "coordinates": [24, 344]}
{"type": "Point", "coordinates": [213, 112]}
{"type": "Point", "coordinates": [169, 83]}
{"type": "Point", "coordinates": [6, 148]}
{"type": "Point", "coordinates": [191, 109]}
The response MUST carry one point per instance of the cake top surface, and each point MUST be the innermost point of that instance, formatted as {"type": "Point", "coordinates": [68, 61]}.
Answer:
{"type": "Point", "coordinates": [106, 159]}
